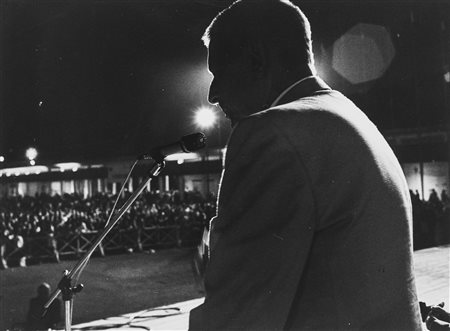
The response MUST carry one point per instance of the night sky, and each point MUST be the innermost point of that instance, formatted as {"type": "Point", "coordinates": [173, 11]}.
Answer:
{"type": "Point", "coordinates": [83, 80]}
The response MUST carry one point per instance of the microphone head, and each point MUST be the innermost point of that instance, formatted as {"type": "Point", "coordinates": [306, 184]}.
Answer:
{"type": "Point", "coordinates": [193, 142]}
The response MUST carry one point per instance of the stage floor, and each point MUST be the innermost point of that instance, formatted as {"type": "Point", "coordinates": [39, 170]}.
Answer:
{"type": "Point", "coordinates": [432, 269]}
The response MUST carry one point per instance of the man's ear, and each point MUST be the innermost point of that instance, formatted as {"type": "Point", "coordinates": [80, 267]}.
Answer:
{"type": "Point", "coordinates": [258, 59]}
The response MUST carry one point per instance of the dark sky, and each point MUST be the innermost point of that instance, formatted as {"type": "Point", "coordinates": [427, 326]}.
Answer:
{"type": "Point", "coordinates": [84, 79]}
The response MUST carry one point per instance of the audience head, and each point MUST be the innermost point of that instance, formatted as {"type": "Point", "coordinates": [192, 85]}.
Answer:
{"type": "Point", "coordinates": [44, 290]}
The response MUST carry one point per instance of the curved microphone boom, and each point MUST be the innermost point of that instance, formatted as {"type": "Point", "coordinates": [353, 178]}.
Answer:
{"type": "Point", "coordinates": [186, 144]}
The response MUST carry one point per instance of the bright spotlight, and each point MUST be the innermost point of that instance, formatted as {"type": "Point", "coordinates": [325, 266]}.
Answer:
{"type": "Point", "coordinates": [205, 117]}
{"type": "Point", "coordinates": [31, 153]}
{"type": "Point", "coordinates": [2, 158]}
{"type": "Point", "coordinates": [447, 77]}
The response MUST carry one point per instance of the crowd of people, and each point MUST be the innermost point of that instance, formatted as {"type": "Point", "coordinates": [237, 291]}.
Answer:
{"type": "Point", "coordinates": [431, 219]}
{"type": "Point", "coordinates": [43, 215]}
{"type": "Point", "coordinates": [46, 216]}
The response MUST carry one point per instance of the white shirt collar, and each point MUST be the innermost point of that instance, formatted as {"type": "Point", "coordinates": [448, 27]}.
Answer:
{"type": "Point", "coordinates": [275, 103]}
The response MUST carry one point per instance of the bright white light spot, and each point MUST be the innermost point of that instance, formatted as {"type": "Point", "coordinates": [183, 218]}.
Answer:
{"type": "Point", "coordinates": [32, 162]}
{"type": "Point", "coordinates": [31, 153]}
{"type": "Point", "coordinates": [447, 77]}
{"type": "Point", "coordinates": [75, 169]}
{"type": "Point", "coordinates": [23, 170]}
{"type": "Point", "coordinates": [2, 159]}
{"type": "Point", "coordinates": [40, 103]}
{"type": "Point", "coordinates": [183, 156]}
{"type": "Point", "coordinates": [180, 161]}
{"type": "Point", "coordinates": [205, 117]}
{"type": "Point", "coordinates": [68, 166]}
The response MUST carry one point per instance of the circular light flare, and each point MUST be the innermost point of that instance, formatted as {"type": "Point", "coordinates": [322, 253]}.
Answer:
{"type": "Point", "coordinates": [363, 53]}
{"type": "Point", "coordinates": [2, 158]}
{"type": "Point", "coordinates": [31, 153]}
{"type": "Point", "coordinates": [32, 162]}
{"type": "Point", "coordinates": [205, 117]}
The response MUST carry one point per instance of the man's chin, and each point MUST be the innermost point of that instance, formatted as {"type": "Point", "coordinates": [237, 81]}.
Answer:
{"type": "Point", "coordinates": [232, 119]}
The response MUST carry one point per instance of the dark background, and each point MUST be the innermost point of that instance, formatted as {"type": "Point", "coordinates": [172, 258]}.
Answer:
{"type": "Point", "coordinates": [92, 79]}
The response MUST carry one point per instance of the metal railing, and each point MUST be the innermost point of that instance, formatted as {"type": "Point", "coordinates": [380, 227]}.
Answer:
{"type": "Point", "coordinates": [49, 247]}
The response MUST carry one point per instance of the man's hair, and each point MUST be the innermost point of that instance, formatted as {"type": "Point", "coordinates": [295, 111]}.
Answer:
{"type": "Point", "coordinates": [278, 23]}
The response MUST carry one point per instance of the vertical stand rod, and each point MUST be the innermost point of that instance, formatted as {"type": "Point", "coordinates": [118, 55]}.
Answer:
{"type": "Point", "coordinates": [68, 315]}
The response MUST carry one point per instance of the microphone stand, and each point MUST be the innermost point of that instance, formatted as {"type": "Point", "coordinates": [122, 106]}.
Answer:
{"type": "Point", "coordinates": [65, 286]}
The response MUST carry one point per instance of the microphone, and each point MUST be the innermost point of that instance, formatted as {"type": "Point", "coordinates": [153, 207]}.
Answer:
{"type": "Point", "coordinates": [186, 144]}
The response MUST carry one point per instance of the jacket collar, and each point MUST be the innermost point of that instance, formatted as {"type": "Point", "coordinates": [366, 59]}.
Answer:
{"type": "Point", "coordinates": [302, 88]}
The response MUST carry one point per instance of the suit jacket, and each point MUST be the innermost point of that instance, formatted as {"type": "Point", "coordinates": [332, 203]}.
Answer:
{"type": "Point", "coordinates": [313, 229]}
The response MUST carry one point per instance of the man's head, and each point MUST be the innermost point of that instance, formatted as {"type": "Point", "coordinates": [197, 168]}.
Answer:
{"type": "Point", "coordinates": [257, 48]}
{"type": "Point", "coordinates": [43, 290]}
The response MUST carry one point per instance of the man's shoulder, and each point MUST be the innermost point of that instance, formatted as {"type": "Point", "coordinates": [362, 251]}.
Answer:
{"type": "Point", "coordinates": [323, 103]}
{"type": "Point", "coordinates": [312, 112]}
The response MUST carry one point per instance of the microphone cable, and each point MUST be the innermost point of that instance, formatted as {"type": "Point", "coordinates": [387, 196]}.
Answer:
{"type": "Point", "coordinates": [140, 317]}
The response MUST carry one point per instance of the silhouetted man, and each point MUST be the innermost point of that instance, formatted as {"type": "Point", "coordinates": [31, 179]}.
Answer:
{"type": "Point", "coordinates": [313, 229]}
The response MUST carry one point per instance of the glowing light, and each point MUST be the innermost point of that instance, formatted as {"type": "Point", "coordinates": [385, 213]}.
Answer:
{"type": "Point", "coordinates": [205, 117]}
{"type": "Point", "coordinates": [363, 53]}
{"type": "Point", "coordinates": [23, 170]}
{"type": "Point", "coordinates": [32, 162]}
{"type": "Point", "coordinates": [183, 156]}
{"type": "Point", "coordinates": [2, 159]}
{"type": "Point", "coordinates": [68, 166]}
{"type": "Point", "coordinates": [447, 77]}
{"type": "Point", "coordinates": [31, 153]}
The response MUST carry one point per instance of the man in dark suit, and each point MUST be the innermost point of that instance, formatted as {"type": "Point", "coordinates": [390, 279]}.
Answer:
{"type": "Point", "coordinates": [36, 318]}
{"type": "Point", "coordinates": [313, 229]}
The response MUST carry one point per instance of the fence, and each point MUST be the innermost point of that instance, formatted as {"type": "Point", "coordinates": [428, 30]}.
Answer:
{"type": "Point", "coordinates": [50, 247]}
